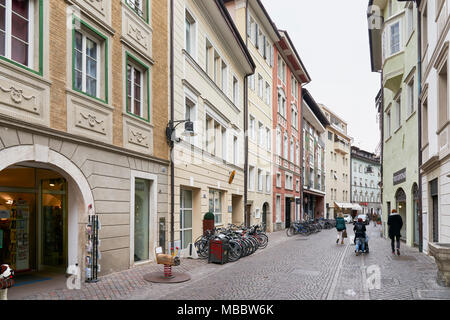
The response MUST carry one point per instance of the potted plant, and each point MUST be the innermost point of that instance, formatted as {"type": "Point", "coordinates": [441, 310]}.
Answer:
{"type": "Point", "coordinates": [208, 222]}
{"type": "Point", "coordinates": [379, 220]}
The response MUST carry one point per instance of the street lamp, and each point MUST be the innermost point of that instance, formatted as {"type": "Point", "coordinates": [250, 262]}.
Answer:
{"type": "Point", "coordinates": [171, 139]}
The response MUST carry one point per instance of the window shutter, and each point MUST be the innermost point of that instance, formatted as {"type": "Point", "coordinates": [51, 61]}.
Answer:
{"type": "Point", "coordinates": [265, 47]}
{"type": "Point", "coordinates": [256, 36]}
{"type": "Point", "coordinates": [249, 26]}
{"type": "Point", "coordinates": [271, 56]}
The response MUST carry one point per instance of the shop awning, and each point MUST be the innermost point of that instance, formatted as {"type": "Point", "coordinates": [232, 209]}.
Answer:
{"type": "Point", "coordinates": [356, 207]}
{"type": "Point", "coordinates": [344, 205]}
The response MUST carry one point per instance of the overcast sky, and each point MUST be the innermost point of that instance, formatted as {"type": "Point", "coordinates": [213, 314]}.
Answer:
{"type": "Point", "coordinates": [332, 40]}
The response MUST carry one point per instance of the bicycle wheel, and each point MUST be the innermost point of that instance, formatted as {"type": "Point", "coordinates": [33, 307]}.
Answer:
{"type": "Point", "coordinates": [263, 241]}
{"type": "Point", "coordinates": [235, 251]}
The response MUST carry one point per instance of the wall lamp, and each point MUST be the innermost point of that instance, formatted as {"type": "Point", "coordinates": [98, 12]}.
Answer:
{"type": "Point", "coordinates": [171, 130]}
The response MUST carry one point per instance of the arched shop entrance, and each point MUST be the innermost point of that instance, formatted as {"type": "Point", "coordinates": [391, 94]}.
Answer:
{"type": "Point", "coordinates": [400, 198]}
{"type": "Point", "coordinates": [43, 201]}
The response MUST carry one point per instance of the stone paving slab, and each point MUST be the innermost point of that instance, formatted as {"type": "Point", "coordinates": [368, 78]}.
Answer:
{"type": "Point", "coordinates": [295, 268]}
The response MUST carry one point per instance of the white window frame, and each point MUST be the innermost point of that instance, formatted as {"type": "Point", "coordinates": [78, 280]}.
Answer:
{"type": "Point", "coordinates": [133, 106]}
{"type": "Point", "coordinates": [193, 35]}
{"type": "Point", "coordinates": [31, 32]}
{"type": "Point", "coordinates": [85, 35]}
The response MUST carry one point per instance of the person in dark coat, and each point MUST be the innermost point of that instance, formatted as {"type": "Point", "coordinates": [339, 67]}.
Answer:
{"type": "Point", "coordinates": [340, 227]}
{"type": "Point", "coordinates": [360, 236]}
{"type": "Point", "coordinates": [395, 224]}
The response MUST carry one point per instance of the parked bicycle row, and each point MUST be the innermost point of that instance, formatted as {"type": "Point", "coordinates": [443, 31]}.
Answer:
{"type": "Point", "coordinates": [306, 228]}
{"type": "Point", "coordinates": [239, 241]}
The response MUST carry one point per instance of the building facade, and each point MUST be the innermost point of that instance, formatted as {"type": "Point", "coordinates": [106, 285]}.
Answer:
{"type": "Point", "coordinates": [314, 165]}
{"type": "Point", "coordinates": [289, 75]}
{"type": "Point", "coordinates": [435, 132]}
{"type": "Point", "coordinates": [337, 157]}
{"type": "Point", "coordinates": [82, 132]}
{"type": "Point", "coordinates": [365, 181]}
{"type": "Point", "coordinates": [393, 47]}
{"type": "Point", "coordinates": [261, 34]}
{"type": "Point", "coordinates": [211, 65]}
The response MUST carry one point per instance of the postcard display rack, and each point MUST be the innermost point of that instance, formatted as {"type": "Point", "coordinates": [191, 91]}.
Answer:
{"type": "Point", "coordinates": [93, 254]}
{"type": "Point", "coordinates": [19, 246]}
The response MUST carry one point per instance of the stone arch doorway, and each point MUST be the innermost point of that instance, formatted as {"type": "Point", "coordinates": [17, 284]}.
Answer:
{"type": "Point", "coordinates": [400, 199]}
{"type": "Point", "coordinates": [79, 195]}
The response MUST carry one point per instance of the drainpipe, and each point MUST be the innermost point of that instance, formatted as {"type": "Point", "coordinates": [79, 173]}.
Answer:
{"type": "Point", "coordinates": [247, 223]}
{"type": "Point", "coordinates": [172, 118]}
{"type": "Point", "coordinates": [419, 113]}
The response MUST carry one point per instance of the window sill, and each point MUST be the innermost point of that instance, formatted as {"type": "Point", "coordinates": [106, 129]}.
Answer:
{"type": "Point", "coordinates": [137, 118]}
{"type": "Point", "coordinates": [397, 130]}
{"type": "Point", "coordinates": [410, 37]}
{"type": "Point", "coordinates": [387, 140]}
{"type": "Point", "coordinates": [410, 116]}
{"type": "Point", "coordinates": [87, 97]}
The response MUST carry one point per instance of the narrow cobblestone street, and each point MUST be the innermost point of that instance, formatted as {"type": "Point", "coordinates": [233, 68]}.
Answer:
{"type": "Point", "coordinates": [296, 268]}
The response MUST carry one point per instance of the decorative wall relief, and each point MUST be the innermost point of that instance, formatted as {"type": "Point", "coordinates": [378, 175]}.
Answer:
{"type": "Point", "coordinates": [139, 138]}
{"type": "Point", "coordinates": [136, 32]}
{"type": "Point", "coordinates": [17, 98]}
{"type": "Point", "coordinates": [90, 121]}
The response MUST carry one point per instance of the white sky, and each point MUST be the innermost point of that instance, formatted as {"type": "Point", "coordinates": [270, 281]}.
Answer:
{"type": "Point", "coordinates": [332, 40]}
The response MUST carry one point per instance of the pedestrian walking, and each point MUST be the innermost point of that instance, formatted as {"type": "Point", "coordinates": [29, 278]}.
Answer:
{"type": "Point", "coordinates": [340, 227]}
{"type": "Point", "coordinates": [395, 224]}
{"type": "Point", "coordinates": [374, 219]}
{"type": "Point", "coordinates": [360, 236]}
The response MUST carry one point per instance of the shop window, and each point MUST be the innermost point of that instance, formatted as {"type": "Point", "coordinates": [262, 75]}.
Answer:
{"type": "Point", "coordinates": [215, 205]}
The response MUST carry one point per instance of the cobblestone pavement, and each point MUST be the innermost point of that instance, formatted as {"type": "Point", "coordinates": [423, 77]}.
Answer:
{"type": "Point", "coordinates": [296, 268]}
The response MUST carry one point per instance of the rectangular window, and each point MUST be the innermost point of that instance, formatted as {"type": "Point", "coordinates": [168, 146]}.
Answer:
{"type": "Point", "coordinates": [395, 38]}
{"type": "Point", "coordinates": [252, 128]}
{"type": "Point", "coordinates": [235, 150]}
{"type": "Point", "coordinates": [17, 31]}
{"type": "Point", "coordinates": [190, 35]}
{"type": "Point", "coordinates": [235, 91]}
{"type": "Point", "coordinates": [90, 55]}
{"type": "Point", "coordinates": [215, 205]}
{"type": "Point", "coordinates": [260, 86]}
{"type": "Point", "coordinates": [268, 139]}
{"type": "Point", "coordinates": [260, 181]}
{"type": "Point", "coordinates": [224, 144]}
{"type": "Point", "coordinates": [137, 88]}
{"type": "Point", "coordinates": [443, 96]}
{"type": "Point", "coordinates": [224, 77]}
{"type": "Point", "coordinates": [140, 7]}
{"type": "Point", "coordinates": [268, 182]}
{"type": "Point", "coordinates": [268, 93]}
{"type": "Point", "coordinates": [260, 134]}
{"type": "Point", "coordinates": [190, 114]}
{"type": "Point", "coordinates": [251, 178]}
{"type": "Point", "coordinates": [208, 57]}
{"type": "Point", "coordinates": [424, 28]}
{"type": "Point", "coordinates": [278, 180]}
